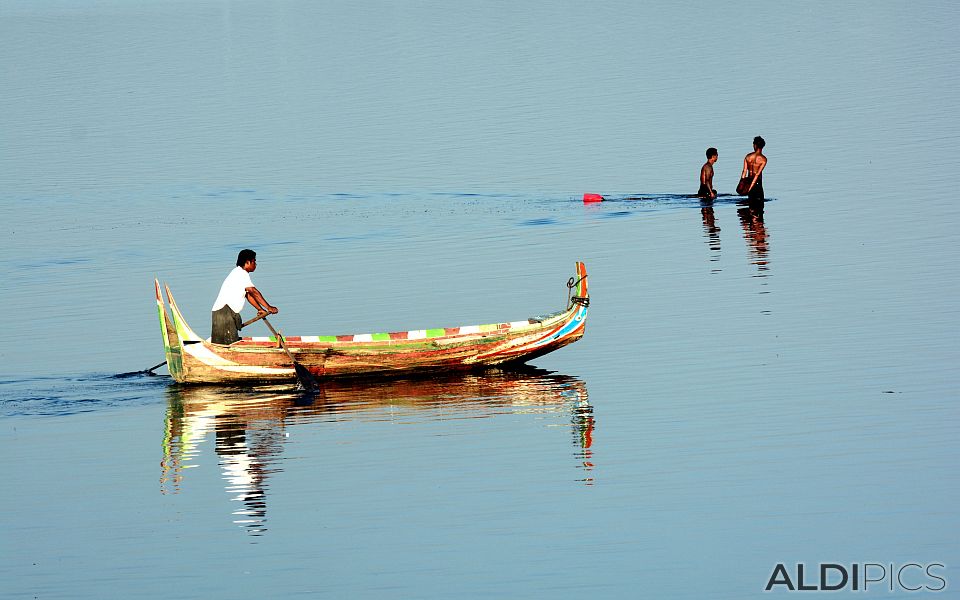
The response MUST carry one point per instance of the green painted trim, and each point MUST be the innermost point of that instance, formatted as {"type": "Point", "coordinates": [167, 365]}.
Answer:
{"type": "Point", "coordinates": [431, 333]}
{"type": "Point", "coordinates": [163, 328]}
{"type": "Point", "coordinates": [380, 337]}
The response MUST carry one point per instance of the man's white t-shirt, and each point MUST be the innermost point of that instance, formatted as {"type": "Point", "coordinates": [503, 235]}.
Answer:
{"type": "Point", "coordinates": [233, 292]}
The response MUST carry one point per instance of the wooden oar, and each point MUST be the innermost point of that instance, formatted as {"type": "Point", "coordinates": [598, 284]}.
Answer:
{"type": "Point", "coordinates": [144, 372]}
{"type": "Point", "coordinates": [304, 377]}
{"type": "Point", "coordinates": [253, 320]}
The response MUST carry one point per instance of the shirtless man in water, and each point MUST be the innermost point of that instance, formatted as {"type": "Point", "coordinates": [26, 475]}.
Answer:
{"type": "Point", "coordinates": [706, 176]}
{"type": "Point", "coordinates": [753, 165]}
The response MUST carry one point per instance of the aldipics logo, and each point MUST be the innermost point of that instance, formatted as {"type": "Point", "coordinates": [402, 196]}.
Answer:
{"type": "Point", "coordinates": [859, 577]}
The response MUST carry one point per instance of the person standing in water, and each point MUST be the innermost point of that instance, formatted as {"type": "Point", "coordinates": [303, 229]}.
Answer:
{"type": "Point", "coordinates": [237, 288]}
{"type": "Point", "coordinates": [753, 165]}
{"type": "Point", "coordinates": [706, 176]}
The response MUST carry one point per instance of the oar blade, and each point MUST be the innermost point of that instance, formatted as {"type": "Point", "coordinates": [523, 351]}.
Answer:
{"type": "Point", "coordinates": [305, 378]}
{"type": "Point", "coordinates": [149, 372]}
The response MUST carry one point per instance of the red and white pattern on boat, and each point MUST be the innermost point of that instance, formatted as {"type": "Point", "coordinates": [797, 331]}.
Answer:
{"type": "Point", "coordinates": [412, 335]}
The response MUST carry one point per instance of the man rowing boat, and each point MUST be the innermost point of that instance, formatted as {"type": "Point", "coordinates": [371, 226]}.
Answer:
{"type": "Point", "coordinates": [236, 288]}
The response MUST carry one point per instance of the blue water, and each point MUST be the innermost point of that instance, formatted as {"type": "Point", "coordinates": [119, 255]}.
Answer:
{"type": "Point", "coordinates": [753, 387]}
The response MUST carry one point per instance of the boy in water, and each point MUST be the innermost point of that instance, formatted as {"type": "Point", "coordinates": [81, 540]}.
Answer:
{"type": "Point", "coordinates": [706, 176]}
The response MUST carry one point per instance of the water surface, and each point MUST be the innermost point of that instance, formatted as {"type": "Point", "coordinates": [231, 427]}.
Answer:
{"type": "Point", "coordinates": [754, 387]}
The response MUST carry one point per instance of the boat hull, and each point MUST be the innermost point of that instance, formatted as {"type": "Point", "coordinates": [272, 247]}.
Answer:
{"type": "Point", "coordinates": [191, 359]}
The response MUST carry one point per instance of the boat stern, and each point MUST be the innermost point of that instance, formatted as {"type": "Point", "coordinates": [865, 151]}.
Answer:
{"type": "Point", "coordinates": [172, 348]}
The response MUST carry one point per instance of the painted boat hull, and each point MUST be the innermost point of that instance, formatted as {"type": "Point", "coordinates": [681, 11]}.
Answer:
{"type": "Point", "coordinates": [192, 359]}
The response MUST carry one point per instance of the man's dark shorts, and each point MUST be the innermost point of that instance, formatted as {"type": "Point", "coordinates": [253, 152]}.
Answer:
{"type": "Point", "coordinates": [226, 326]}
{"type": "Point", "coordinates": [756, 193]}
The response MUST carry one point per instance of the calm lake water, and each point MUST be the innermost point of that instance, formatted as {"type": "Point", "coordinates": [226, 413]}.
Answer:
{"type": "Point", "coordinates": [754, 387]}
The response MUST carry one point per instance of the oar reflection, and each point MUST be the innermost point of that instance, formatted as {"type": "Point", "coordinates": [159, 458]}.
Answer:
{"type": "Point", "coordinates": [250, 425]}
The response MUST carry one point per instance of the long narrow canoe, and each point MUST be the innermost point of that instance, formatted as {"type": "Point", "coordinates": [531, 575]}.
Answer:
{"type": "Point", "coordinates": [192, 359]}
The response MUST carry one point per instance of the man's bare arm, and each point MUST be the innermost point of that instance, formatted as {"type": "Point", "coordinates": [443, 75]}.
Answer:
{"type": "Point", "coordinates": [256, 299]}
{"type": "Point", "coordinates": [758, 166]}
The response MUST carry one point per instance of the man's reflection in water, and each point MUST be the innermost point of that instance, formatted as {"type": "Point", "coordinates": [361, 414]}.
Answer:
{"type": "Point", "coordinates": [710, 230]}
{"type": "Point", "coordinates": [249, 424]}
{"type": "Point", "coordinates": [755, 233]}
{"type": "Point", "coordinates": [243, 465]}
{"type": "Point", "coordinates": [245, 442]}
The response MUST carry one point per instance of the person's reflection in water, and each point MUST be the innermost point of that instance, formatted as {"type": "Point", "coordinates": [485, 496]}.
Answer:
{"type": "Point", "coordinates": [756, 235]}
{"type": "Point", "coordinates": [243, 469]}
{"type": "Point", "coordinates": [711, 231]}
{"type": "Point", "coordinates": [248, 438]}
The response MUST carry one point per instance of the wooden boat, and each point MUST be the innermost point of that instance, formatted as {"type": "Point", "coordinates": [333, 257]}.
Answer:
{"type": "Point", "coordinates": [192, 359]}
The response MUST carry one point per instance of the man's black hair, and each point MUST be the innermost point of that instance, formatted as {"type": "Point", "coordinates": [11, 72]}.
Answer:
{"type": "Point", "coordinates": [711, 152]}
{"type": "Point", "coordinates": [244, 256]}
{"type": "Point", "coordinates": [759, 143]}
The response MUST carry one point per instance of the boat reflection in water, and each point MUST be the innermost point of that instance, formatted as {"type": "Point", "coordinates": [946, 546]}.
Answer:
{"type": "Point", "coordinates": [250, 424]}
